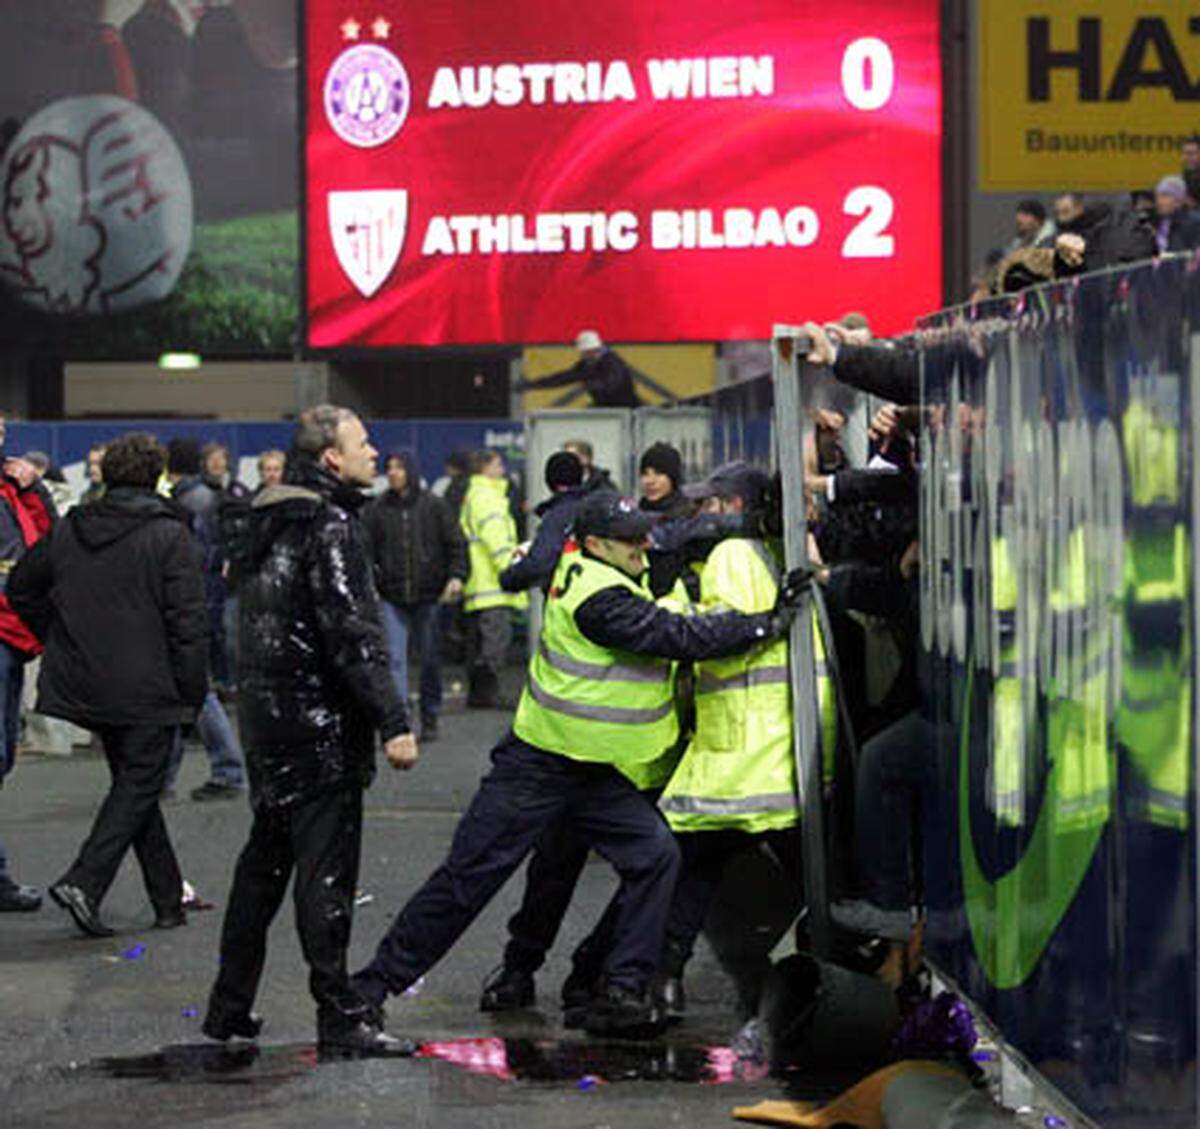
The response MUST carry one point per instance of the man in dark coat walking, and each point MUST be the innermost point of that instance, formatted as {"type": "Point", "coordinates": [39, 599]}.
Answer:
{"type": "Point", "coordinates": [420, 557]}
{"type": "Point", "coordinates": [117, 595]}
{"type": "Point", "coordinates": [314, 689]}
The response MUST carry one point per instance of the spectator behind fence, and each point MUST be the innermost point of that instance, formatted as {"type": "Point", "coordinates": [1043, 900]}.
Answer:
{"type": "Point", "coordinates": [116, 593]}
{"type": "Point", "coordinates": [1032, 226]}
{"type": "Point", "coordinates": [1189, 155]}
{"type": "Point", "coordinates": [420, 559]}
{"type": "Point", "coordinates": [1177, 226]}
{"type": "Point", "coordinates": [1091, 237]}
{"type": "Point", "coordinates": [491, 536]}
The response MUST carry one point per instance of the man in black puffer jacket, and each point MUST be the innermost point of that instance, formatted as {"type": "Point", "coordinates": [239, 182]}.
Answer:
{"type": "Point", "coordinates": [117, 595]}
{"type": "Point", "coordinates": [314, 690]}
{"type": "Point", "coordinates": [420, 557]}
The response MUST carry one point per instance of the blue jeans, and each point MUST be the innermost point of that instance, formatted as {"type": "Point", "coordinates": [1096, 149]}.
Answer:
{"type": "Point", "coordinates": [226, 763]}
{"type": "Point", "coordinates": [421, 621]}
{"type": "Point", "coordinates": [12, 676]}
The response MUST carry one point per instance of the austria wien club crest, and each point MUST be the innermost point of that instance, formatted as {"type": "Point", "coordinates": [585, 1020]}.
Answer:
{"type": "Point", "coordinates": [367, 229]}
{"type": "Point", "coordinates": [367, 95]}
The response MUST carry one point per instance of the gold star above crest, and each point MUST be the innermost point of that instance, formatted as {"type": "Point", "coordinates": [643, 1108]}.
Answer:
{"type": "Point", "coordinates": [351, 28]}
{"type": "Point", "coordinates": [381, 29]}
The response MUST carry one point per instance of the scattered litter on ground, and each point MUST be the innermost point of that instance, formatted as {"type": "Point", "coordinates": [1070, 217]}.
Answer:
{"type": "Point", "coordinates": [135, 953]}
{"type": "Point", "coordinates": [362, 898]}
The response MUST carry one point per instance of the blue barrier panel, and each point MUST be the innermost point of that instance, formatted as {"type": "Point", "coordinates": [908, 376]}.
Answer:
{"type": "Point", "coordinates": [430, 440]}
{"type": "Point", "coordinates": [1057, 524]}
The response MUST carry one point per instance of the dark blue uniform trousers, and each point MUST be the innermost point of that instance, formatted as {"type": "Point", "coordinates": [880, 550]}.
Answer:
{"type": "Point", "coordinates": [527, 791]}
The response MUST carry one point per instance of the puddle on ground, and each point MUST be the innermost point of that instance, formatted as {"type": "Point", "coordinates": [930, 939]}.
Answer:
{"type": "Point", "coordinates": [209, 1062]}
{"type": "Point", "coordinates": [577, 1062]}
{"type": "Point", "coordinates": [581, 1062]}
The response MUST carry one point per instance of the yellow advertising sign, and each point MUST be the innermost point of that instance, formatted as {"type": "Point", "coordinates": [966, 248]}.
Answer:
{"type": "Point", "coordinates": [1086, 94]}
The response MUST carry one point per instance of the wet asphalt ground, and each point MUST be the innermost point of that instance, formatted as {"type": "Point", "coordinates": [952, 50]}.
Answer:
{"type": "Point", "coordinates": [107, 1032]}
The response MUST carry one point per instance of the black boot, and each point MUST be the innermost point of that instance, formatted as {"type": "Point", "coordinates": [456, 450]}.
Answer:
{"type": "Point", "coordinates": [507, 989]}
{"type": "Point", "coordinates": [18, 899]}
{"type": "Point", "coordinates": [224, 1025]}
{"type": "Point", "coordinates": [358, 1034]}
{"type": "Point", "coordinates": [579, 990]}
{"type": "Point", "coordinates": [81, 907]}
{"type": "Point", "coordinates": [623, 1013]}
{"type": "Point", "coordinates": [429, 730]}
{"type": "Point", "coordinates": [668, 991]}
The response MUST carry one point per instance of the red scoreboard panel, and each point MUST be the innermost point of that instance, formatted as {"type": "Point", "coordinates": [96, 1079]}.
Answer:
{"type": "Point", "coordinates": [507, 171]}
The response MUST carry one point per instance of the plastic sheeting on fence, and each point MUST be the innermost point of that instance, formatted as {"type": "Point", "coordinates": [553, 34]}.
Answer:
{"type": "Point", "coordinates": [1058, 527]}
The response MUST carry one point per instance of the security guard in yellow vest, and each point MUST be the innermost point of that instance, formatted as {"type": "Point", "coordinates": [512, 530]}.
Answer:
{"type": "Point", "coordinates": [594, 720]}
{"type": "Point", "coordinates": [491, 533]}
{"type": "Point", "coordinates": [736, 784]}
{"type": "Point", "coordinates": [1154, 715]}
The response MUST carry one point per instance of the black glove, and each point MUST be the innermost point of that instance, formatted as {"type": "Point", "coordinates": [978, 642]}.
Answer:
{"type": "Point", "coordinates": [791, 591]}
{"type": "Point", "coordinates": [795, 585]}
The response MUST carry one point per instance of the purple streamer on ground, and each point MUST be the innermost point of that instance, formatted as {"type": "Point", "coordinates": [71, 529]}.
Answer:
{"type": "Point", "coordinates": [937, 1028]}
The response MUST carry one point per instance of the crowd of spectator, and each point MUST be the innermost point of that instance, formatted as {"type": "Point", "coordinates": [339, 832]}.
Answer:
{"type": "Point", "coordinates": [1077, 234]}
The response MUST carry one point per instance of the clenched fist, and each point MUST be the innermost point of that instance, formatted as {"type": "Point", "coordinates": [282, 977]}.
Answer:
{"type": "Point", "coordinates": [401, 751]}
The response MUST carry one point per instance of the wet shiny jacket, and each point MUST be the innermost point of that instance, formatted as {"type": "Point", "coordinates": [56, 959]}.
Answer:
{"type": "Point", "coordinates": [313, 670]}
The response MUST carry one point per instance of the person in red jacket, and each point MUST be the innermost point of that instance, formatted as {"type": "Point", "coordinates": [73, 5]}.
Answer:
{"type": "Point", "coordinates": [26, 514]}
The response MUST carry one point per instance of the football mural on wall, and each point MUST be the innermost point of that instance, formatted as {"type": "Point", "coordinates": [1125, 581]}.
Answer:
{"type": "Point", "coordinates": [148, 178]}
{"type": "Point", "coordinates": [96, 208]}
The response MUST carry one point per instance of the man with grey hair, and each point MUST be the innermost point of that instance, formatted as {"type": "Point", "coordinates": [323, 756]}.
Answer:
{"type": "Point", "coordinates": [1177, 227]}
{"type": "Point", "coordinates": [315, 689]}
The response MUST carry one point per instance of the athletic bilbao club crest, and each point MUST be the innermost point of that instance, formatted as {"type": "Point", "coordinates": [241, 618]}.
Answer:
{"type": "Point", "coordinates": [367, 95]}
{"type": "Point", "coordinates": [368, 234]}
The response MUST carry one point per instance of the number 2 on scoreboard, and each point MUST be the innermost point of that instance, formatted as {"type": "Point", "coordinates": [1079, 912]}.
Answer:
{"type": "Point", "coordinates": [868, 239]}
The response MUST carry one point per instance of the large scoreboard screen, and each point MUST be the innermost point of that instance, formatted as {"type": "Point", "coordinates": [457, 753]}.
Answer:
{"type": "Point", "coordinates": [507, 171]}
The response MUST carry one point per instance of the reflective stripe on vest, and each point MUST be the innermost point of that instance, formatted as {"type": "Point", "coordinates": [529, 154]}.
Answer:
{"type": "Point", "coordinates": [617, 672]}
{"type": "Point", "coordinates": [743, 805]}
{"type": "Point", "coordinates": [709, 683]}
{"type": "Point", "coordinates": [593, 703]}
{"type": "Point", "coordinates": [614, 715]}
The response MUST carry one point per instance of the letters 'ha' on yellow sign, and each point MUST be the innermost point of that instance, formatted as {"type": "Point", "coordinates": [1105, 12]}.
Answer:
{"type": "Point", "coordinates": [1085, 94]}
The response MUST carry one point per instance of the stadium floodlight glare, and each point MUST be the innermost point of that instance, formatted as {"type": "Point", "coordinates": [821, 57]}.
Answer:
{"type": "Point", "coordinates": [175, 362]}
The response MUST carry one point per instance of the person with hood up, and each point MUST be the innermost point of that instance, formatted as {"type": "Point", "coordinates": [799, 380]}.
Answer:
{"type": "Point", "coordinates": [315, 693]}
{"type": "Point", "coordinates": [116, 594]}
{"type": "Point", "coordinates": [564, 480]}
{"type": "Point", "coordinates": [420, 559]}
